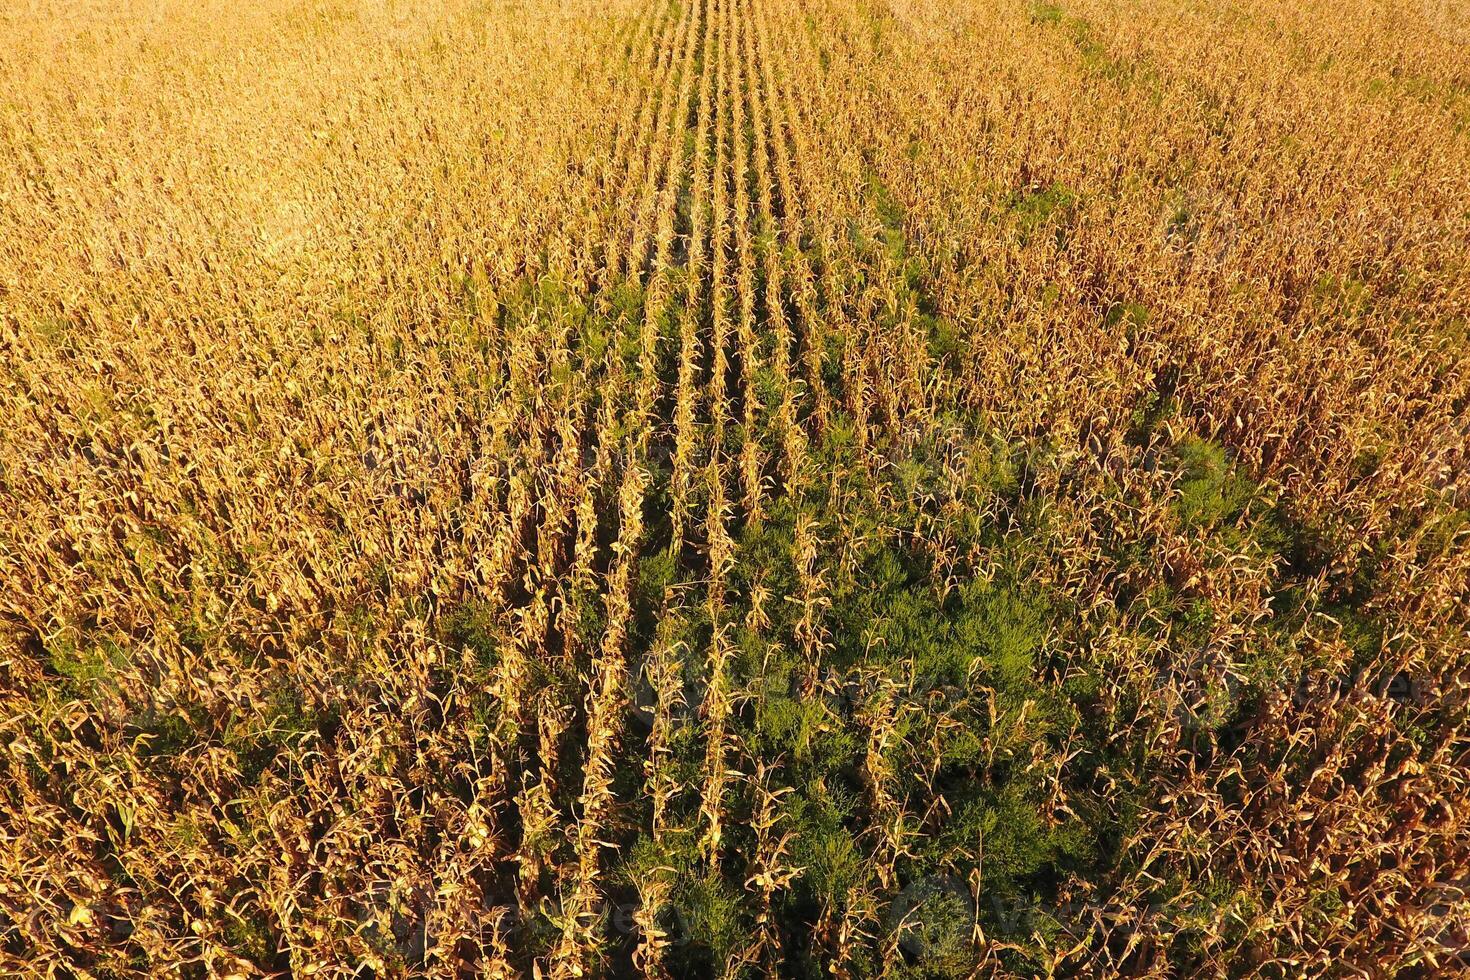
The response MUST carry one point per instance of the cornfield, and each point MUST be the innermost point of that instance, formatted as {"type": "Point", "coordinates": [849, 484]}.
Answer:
{"type": "Point", "coordinates": [734, 488]}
